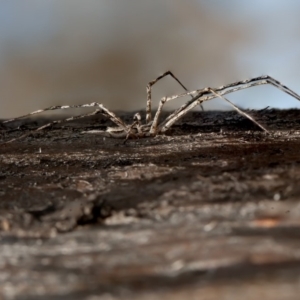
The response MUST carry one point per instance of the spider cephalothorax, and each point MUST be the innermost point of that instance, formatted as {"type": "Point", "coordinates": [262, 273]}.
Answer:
{"type": "Point", "coordinates": [134, 131]}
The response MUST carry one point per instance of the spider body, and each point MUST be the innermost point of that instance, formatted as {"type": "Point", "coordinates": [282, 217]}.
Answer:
{"type": "Point", "coordinates": [134, 131]}
{"type": "Point", "coordinates": [152, 127]}
{"type": "Point", "coordinates": [130, 133]}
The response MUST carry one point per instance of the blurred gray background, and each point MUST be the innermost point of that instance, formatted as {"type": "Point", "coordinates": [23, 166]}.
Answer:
{"type": "Point", "coordinates": [74, 51]}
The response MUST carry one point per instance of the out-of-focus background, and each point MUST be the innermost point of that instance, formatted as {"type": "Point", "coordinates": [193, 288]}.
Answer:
{"type": "Point", "coordinates": [73, 51]}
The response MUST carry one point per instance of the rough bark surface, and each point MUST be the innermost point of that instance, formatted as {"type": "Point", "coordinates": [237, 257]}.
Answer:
{"type": "Point", "coordinates": [209, 211]}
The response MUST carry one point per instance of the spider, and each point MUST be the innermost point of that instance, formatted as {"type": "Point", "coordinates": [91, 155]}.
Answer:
{"type": "Point", "coordinates": [152, 127]}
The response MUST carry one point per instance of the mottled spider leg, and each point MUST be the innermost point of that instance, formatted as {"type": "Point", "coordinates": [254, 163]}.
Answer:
{"type": "Point", "coordinates": [97, 111]}
{"type": "Point", "coordinates": [282, 87]}
{"type": "Point", "coordinates": [153, 129]}
{"type": "Point", "coordinates": [137, 124]}
{"type": "Point", "coordinates": [110, 114]}
{"type": "Point", "coordinates": [101, 109]}
{"type": "Point", "coordinates": [196, 102]}
{"type": "Point", "coordinates": [55, 107]}
{"type": "Point", "coordinates": [179, 113]}
{"type": "Point", "coordinates": [148, 89]}
{"type": "Point", "coordinates": [239, 110]}
{"type": "Point", "coordinates": [222, 90]}
{"type": "Point", "coordinates": [237, 86]}
{"type": "Point", "coordinates": [129, 133]}
{"type": "Point", "coordinates": [197, 94]}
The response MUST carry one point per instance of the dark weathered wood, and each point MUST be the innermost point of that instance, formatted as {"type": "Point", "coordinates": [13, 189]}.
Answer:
{"type": "Point", "coordinates": [210, 211]}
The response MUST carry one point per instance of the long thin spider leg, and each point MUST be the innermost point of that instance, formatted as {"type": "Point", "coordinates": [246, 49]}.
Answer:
{"type": "Point", "coordinates": [128, 135]}
{"type": "Point", "coordinates": [148, 88]}
{"type": "Point", "coordinates": [239, 110]}
{"type": "Point", "coordinates": [177, 114]}
{"type": "Point", "coordinates": [107, 112]}
{"type": "Point", "coordinates": [166, 125]}
{"type": "Point", "coordinates": [97, 111]}
{"type": "Point", "coordinates": [226, 89]}
{"type": "Point", "coordinates": [282, 87]}
{"type": "Point", "coordinates": [240, 85]}
{"type": "Point", "coordinates": [153, 128]}
{"type": "Point", "coordinates": [55, 107]}
{"type": "Point", "coordinates": [111, 115]}
{"type": "Point", "coordinates": [101, 109]}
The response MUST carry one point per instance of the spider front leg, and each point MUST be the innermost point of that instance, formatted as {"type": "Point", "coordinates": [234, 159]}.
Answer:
{"type": "Point", "coordinates": [153, 129]}
{"type": "Point", "coordinates": [148, 89]}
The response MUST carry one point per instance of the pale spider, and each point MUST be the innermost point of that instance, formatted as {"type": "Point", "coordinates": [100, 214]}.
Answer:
{"type": "Point", "coordinates": [153, 127]}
